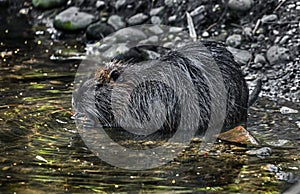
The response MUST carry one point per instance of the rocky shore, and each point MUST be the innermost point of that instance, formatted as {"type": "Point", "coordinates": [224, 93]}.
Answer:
{"type": "Point", "coordinates": [264, 35]}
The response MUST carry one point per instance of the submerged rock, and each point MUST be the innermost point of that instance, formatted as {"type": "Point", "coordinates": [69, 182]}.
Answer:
{"type": "Point", "coordinates": [72, 19]}
{"type": "Point", "coordinates": [98, 31]}
{"type": "Point", "coordinates": [46, 4]}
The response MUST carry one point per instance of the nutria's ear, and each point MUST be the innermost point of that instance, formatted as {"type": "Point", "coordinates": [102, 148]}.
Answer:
{"type": "Point", "coordinates": [114, 74]}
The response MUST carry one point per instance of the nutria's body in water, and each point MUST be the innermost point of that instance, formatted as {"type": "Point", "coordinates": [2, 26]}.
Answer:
{"type": "Point", "coordinates": [106, 78]}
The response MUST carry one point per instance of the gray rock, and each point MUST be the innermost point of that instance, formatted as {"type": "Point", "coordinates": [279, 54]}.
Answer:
{"type": "Point", "coordinates": [240, 5]}
{"type": "Point", "coordinates": [130, 34]}
{"type": "Point", "coordinates": [155, 20]}
{"type": "Point", "coordinates": [284, 39]}
{"type": "Point", "coordinates": [156, 29]}
{"type": "Point", "coordinates": [137, 19]}
{"type": "Point", "coordinates": [241, 56]}
{"type": "Point", "coordinates": [116, 22]}
{"type": "Point", "coordinates": [120, 3]}
{"type": "Point", "coordinates": [169, 3]}
{"type": "Point", "coordinates": [261, 153]}
{"type": "Point", "coordinates": [100, 4]}
{"type": "Point", "coordinates": [98, 31]}
{"type": "Point", "coordinates": [205, 34]}
{"type": "Point", "coordinates": [172, 18]}
{"type": "Point", "coordinates": [198, 10]}
{"type": "Point", "coordinates": [47, 4]}
{"type": "Point", "coordinates": [276, 54]}
{"type": "Point", "coordinates": [259, 58]}
{"type": "Point", "coordinates": [269, 18]}
{"type": "Point", "coordinates": [115, 50]}
{"type": "Point", "coordinates": [234, 40]}
{"type": "Point", "coordinates": [156, 11]}
{"type": "Point", "coordinates": [71, 19]}
{"type": "Point", "coordinates": [150, 40]}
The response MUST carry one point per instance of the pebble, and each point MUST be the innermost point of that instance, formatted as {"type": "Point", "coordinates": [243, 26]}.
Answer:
{"type": "Point", "coordinates": [269, 18]}
{"type": "Point", "coordinates": [259, 58]}
{"type": "Point", "coordinates": [130, 34]}
{"type": "Point", "coordinates": [156, 11]}
{"type": "Point", "coordinates": [240, 5]}
{"type": "Point", "coordinates": [286, 110]}
{"type": "Point", "coordinates": [116, 22]}
{"type": "Point", "coordinates": [120, 3]}
{"type": "Point", "coordinates": [234, 40]}
{"type": "Point", "coordinates": [261, 153]}
{"type": "Point", "coordinates": [47, 4]}
{"type": "Point", "coordinates": [98, 30]}
{"type": "Point", "coordinates": [205, 34]}
{"type": "Point", "coordinates": [198, 10]}
{"type": "Point", "coordinates": [156, 29]}
{"type": "Point", "coordinates": [241, 56]}
{"type": "Point", "coordinates": [137, 19]}
{"type": "Point", "coordinates": [284, 39]}
{"type": "Point", "coordinates": [71, 19]}
{"type": "Point", "coordinates": [155, 20]}
{"type": "Point", "coordinates": [169, 3]}
{"type": "Point", "coordinates": [276, 54]}
{"type": "Point", "coordinates": [172, 18]}
{"type": "Point", "coordinates": [100, 4]}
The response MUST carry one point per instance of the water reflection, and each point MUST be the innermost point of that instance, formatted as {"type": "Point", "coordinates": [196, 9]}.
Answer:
{"type": "Point", "coordinates": [41, 152]}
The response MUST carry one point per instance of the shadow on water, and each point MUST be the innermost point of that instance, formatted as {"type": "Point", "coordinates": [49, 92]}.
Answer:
{"type": "Point", "coordinates": [41, 152]}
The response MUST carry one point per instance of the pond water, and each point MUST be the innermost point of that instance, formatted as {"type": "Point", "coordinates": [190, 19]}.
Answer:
{"type": "Point", "coordinates": [41, 151]}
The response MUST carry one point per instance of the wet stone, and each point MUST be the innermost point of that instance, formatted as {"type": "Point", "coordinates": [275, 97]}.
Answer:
{"type": "Point", "coordinates": [72, 19]}
{"type": "Point", "coordinates": [116, 22]}
{"type": "Point", "coordinates": [98, 31]}
{"type": "Point", "coordinates": [47, 4]}
{"type": "Point", "coordinates": [198, 10]}
{"type": "Point", "coordinates": [155, 20]}
{"type": "Point", "coordinates": [120, 3]}
{"type": "Point", "coordinates": [276, 54]}
{"type": "Point", "coordinates": [172, 18]}
{"type": "Point", "coordinates": [259, 58]}
{"type": "Point", "coordinates": [100, 4]}
{"type": "Point", "coordinates": [241, 56]}
{"type": "Point", "coordinates": [261, 153]}
{"type": "Point", "coordinates": [130, 34]}
{"type": "Point", "coordinates": [240, 5]}
{"type": "Point", "coordinates": [234, 40]}
{"type": "Point", "coordinates": [137, 19]}
{"type": "Point", "coordinates": [269, 18]}
{"type": "Point", "coordinates": [156, 11]}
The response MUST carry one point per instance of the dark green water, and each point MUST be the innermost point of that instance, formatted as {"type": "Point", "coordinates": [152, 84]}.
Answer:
{"type": "Point", "coordinates": [41, 152]}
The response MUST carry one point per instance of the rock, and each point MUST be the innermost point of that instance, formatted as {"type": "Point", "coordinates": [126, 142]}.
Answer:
{"type": "Point", "coordinates": [259, 58]}
{"type": "Point", "coordinates": [156, 11]}
{"type": "Point", "coordinates": [241, 56]}
{"type": "Point", "coordinates": [286, 110]}
{"type": "Point", "coordinates": [156, 29]}
{"type": "Point", "coordinates": [137, 19]}
{"type": "Point", "coordinates": [100, 4]}
{"type": "Point", "coordinates": [169, 3]}
{"type": "Point", "coordinates": [47, 4]}
{"type": "Point", "coordinates": [115, 50]}
{"type": "Point", "coordinates": [120, 3]}
{"type": "Point", "coordinates": [71, 19]}
{"type": "Point", "coordinates": [261, 153]}
{"type": "Point", "coordinates": [130, 34]}
{"type": "Point", "coordinates": [98, 30]}
{"type": "Point", "coordinates": [172, 18]}
{"type": "Point", "coordinates": [234, 40]}
{"type": "Point", "coordinates": [199, 10]}
{"type": "Point", "coordinates": [205, 34]}
{"type": "Point", "coordinates": [238, 135]}
{"type": "Point", "coordinates": [116, 22]}
{"type": "Point", "coordinates": [276, 54]}
{"type": "Point", "coordinates": [150, 40]}
{"type": "Point", "coordinates": [155, 20]}
{"type": "Point", "coordinates": [240, 5]}
{"type": "Point", "coordinates": [269, 18]}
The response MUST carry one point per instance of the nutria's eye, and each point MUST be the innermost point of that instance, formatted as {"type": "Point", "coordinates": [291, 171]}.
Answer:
{"type": "Point", "coordinates": [114, 74]}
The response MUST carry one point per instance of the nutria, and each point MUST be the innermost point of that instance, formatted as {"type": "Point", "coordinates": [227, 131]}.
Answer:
{"type": "Point", "coordinates": [109, 76]}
